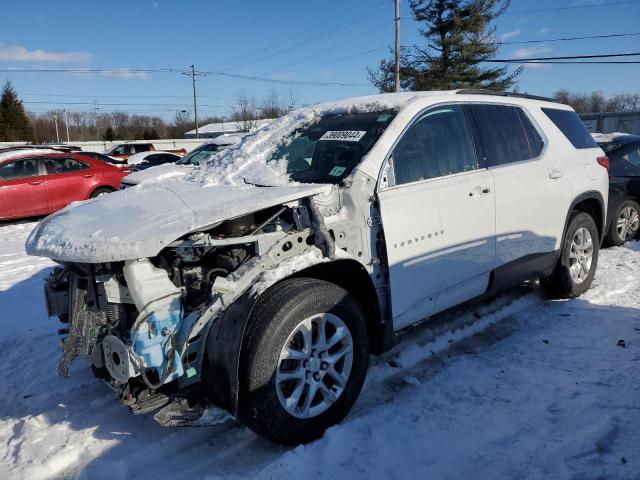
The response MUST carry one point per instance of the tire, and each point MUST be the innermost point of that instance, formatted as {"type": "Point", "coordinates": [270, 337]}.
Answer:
{"type": "Point", "coordinates": [274, 324]}
{"type": "Point", "coordinates": [100, 191]}
{"type": "Point", "coordinates": [624, 224]}
{"type": "Point", "coordinates": [562, 283]}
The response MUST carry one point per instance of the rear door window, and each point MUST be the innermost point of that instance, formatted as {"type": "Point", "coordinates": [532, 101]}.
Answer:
{"type": "Point", "coordinates": [571, 126]}
{"type": "Point", "coordinates": [63, 165]}
{"type": "Point", "coordinates": [502, 134]}
{"type": "Point", "coordinates": [533, 136]}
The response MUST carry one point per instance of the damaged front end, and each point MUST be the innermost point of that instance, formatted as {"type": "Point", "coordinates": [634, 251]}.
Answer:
{"type": "Point", "coordinates": [144, 324]}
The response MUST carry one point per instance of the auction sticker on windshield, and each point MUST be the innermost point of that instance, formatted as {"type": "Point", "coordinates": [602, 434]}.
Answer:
{"type": "Point", "coordinates": [343, 135]}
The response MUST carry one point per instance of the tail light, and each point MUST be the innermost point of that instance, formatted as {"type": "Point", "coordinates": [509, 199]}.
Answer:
{"type": "Point", "coordinates": [604, 162]}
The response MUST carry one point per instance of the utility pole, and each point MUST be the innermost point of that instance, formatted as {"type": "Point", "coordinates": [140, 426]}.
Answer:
{"type": "Point", "coordinates": [397, 21]}
{"type": "Point", "coordinates": [55, 119]}
{"type": "Point", "coordinates": [66, 123]}
{"type": "Point", "coordinates": [193, 74]}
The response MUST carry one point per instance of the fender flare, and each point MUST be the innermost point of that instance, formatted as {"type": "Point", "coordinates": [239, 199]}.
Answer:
{"type": "Point", "coordinates": [223, 350]}
{"type": "Point", "coordinates": [589, 195]}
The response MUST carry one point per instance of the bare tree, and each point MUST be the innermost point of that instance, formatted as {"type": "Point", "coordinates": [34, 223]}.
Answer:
{"type": "Point", "coordinates": [244, 111]}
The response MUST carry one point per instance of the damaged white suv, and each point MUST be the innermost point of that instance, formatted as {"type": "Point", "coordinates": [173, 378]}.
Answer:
{"type": "Point", "coordinates": [261, 284]}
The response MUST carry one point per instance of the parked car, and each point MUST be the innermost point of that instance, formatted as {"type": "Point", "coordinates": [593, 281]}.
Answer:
{"type": "Point", "coordinates": [145, 160]}
{"type": "Point", "coordinates": [183, 166]}
{"type": "Point", "coordinates": [125, 150]}
{"type": "Point", "coordinates": [623, 218]}
{"type": "Point", "coordinates": [38, 182]}
{"type": "Point", "coordinates": [264, 292]}
{"type": "Point", "coordinates": [118, 162]}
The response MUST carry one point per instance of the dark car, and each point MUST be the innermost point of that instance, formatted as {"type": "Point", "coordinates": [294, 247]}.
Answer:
{"type": "Point", "coordinates": [624, 187]}
{"type": "Point", "coordinates": [106, 158]}
{"type": "Point", "coordinates": [144, 160]}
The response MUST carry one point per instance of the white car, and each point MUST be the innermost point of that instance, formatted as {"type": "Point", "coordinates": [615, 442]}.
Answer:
{"type": "Point", "coordinates": [263, 282]}
{"type": "Point", "coordinates": [184, 165]}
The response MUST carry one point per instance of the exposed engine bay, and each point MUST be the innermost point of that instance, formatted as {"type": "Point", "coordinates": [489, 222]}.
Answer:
{"type": "Point", "coordinates": [142, 324]}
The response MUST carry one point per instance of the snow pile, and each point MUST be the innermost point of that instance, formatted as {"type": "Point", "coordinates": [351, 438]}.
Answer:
{"type": "Point", "coordinates": [247, 161]}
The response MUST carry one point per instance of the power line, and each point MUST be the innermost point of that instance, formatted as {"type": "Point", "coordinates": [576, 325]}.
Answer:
{"type": "Point", "coordinates": [345, 23]}
{"type": "Point", "coordinates": [568, 39]}
{"type": "Point", "coordinates": [572, 57]}
{"type": "Point", "coordinates": [572, 7]}
{"type": "Point", "coordinates": [305, 31]}
{"type": "Point", "coordinates": [68, 95]}
{"type": "Point", "coordinates": [288, 82]}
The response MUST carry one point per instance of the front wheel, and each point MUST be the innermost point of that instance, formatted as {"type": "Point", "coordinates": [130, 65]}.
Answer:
{"type": "Point", "coordinates": [578, 259]}
{"type": "Point", "coordinates": [305, 358]}
{"type": "Point", "coordinates": [100, 191]}
{"type": "Point", "coordinates": [625, 223]}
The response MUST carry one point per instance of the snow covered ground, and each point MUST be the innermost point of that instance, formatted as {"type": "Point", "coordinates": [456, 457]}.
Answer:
{"type": "Point", "coordinates": [525, 388]}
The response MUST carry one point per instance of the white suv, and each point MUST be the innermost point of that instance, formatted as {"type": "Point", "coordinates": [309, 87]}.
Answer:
{"type": "Point", "coordinates": [262, 283]}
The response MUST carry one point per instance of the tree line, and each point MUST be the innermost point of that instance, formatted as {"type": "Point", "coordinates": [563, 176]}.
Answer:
{"type": "Point", "coordinates": [18, 124]}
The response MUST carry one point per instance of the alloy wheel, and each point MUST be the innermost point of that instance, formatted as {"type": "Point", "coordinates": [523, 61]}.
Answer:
{"type": "Point", "coordinates": [314, 365]}
{"type": "Point", "coordinates": [581, 255]}
{"type": "Point", "coordinates": [627, 224]}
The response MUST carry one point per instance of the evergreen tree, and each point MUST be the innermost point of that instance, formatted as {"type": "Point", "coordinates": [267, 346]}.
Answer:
{"type": "Point", "coordinates": [459, 37]}
{"type": "Point", "coordinates": [109, 135]}
{"type": "Point", "coordinates": [14, 122]}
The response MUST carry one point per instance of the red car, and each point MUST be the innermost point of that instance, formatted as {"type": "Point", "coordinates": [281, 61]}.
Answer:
{"type": "Point", "coordinates": [36, 183]}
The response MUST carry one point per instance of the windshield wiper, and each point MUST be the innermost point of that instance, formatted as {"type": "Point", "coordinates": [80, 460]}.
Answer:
{"type": "Point", "coordinates": [254, 184]}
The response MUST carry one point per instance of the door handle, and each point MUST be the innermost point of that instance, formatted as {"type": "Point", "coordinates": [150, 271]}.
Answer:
{"type": "Point", "coordinates": [36, 182]}
{"type": "Point", "coordinates": [88, 175]}
{"type": "Point", "coordinates": [555, 174]}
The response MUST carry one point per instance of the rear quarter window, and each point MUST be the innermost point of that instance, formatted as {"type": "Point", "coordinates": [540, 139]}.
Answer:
{"type": "Point", "coordinates": [571, 126]}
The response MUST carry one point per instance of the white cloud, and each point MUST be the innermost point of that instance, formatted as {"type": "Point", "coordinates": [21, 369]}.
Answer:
{"type": "Point", "coordinates": [16, 53]}
{"type": "Point", "coordinates": [531, 52]}
{"type": "Point", "coordinates": [511, 34]}
{"type": "Point", "coordinates": [521, 20]}
{"type": "Point", "coordinates": [125, 74]}
{"type": "Point", "coordinates": [543, 30]}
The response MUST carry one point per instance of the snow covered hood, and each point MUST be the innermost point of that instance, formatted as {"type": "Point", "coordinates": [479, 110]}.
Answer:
{"type": "Point", "coordinates": [140, 222]}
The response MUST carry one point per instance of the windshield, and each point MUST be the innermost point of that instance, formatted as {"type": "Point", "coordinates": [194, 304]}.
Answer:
{"type": "Point", "coordinates": [201, 154]}
{"type": "Point", "coordinates": [326, 150]}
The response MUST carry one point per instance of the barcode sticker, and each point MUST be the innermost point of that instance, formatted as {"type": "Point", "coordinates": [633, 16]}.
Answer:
{"type": "Point", "coordinates": [343, 135]}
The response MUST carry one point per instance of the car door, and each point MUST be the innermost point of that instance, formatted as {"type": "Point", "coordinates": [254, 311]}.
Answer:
{"type": "Point", "coordinates": [22, 190]}
{"type": "Point", "coordinates": [532, 193]}
{"type": "Point", "coordinates": [437, 215]}
{"type": "Point", "coordinates": [68, 179]}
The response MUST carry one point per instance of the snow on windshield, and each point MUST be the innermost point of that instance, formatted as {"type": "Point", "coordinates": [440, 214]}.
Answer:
{"type": "Point", "coordinates": [247, 162]}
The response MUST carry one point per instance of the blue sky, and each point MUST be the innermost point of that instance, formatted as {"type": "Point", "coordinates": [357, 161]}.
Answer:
{"type": "Point", "coordinates": [331, 41]}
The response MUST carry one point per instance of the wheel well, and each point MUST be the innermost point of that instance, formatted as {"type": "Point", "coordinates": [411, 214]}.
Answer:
{"type": "Point", "coordinates": [103, 187]}
{"type": "Point", "coordinates": [594, 208]}
{"type": "Point", "coordinates": [354, 278]}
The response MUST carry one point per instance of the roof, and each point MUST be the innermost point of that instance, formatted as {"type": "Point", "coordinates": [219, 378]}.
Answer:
{"type": "Point", "coordinates": [31, 152]}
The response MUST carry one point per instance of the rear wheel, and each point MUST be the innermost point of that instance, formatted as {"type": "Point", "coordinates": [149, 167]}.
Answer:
{"type": "Point", "coordinates": [578, 259]}
{"type": "Point", "coordinates": [100, 191]}
{"type": "Point", "coordinates": [625, 223]}
{"type": "Point", "coordinates": [305, 359]}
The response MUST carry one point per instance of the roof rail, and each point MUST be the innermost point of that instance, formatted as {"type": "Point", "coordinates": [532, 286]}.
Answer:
{"type": "Point", "coordinates": [481, 91]}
